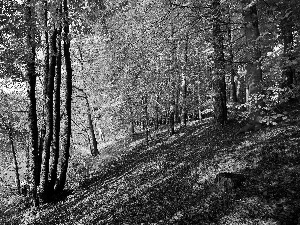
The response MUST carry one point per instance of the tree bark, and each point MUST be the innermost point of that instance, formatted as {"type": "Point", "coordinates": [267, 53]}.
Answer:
{"type": "Point", "coordinates": [156, 113]}
{"type": "Point", "coordinates": [171, 119]}
{"type": "Point", "coordinates": [241, 90]}
{"type": "Point", "coordinates": [288, 72]}
{"type": "Point", "coordinates": [46, 72]}
{"type": "Point", "coordinates": [220, 108]}
{"type": "Point", "coordinates": [94, 150]}
{"type": "Point", "coordinates": [131, 119]}
{"type": "Point", "coordinates": [56, 138]}
{"type": "Point", "coordinates": [11, 141]}
{"type": "Point", "coordinates": [184, 85]}
{"type": "Point", "coordinates": [177, 102]}
{"type": "Point", "coordinates": [231, 61]}
{"type": "Point", "coordinates": [49, 119]}
{"type": "Point", "coordinates": [145, 104]}
{"type": "Point", "coordinates": [253, 67]}
{"type": "Point", "coordinates": [40, 151]}
{"type": "Point", "coordinates": [66, 140]}
{"type": "Point", "coordinates": [32, 116]}
{"type": "Point", "coordinates": [183, 91]}
{"type": "Point", "coordinates": [46, 47]}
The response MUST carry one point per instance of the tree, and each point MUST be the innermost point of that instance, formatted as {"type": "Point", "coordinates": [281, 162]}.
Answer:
{"type": "Point", "coordinates": [7, 121]}
{"type": "Point", "coordinates": [220, 108]}
{"type": "Point", "coordinates": [68, 100]}
{"type": "Point", "coordinates": [57, 105]}
{"type": "Point", "coordinates": [253, 55]}
{"type": "Point", "coordinates": [233, 73]}
{"type": "Point", "coordinates": [49, 114]}
{"type": "Point", "coordinates": [94, 148]}
{"type": "Point", "coordinates": [31, 76]}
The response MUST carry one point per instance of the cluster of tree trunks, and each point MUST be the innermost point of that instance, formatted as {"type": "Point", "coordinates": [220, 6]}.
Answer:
{"type": "Point", "coordinates": [247, 90]}
{"type": "Point", "coordinates": [43, 172]}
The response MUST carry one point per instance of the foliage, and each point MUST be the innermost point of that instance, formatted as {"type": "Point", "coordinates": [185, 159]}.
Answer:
{"type": "Point", "coordinates": [126, 51]}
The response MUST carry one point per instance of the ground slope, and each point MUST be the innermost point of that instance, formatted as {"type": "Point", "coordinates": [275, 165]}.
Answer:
{"type": "Point", "coordinates": [172, 181]}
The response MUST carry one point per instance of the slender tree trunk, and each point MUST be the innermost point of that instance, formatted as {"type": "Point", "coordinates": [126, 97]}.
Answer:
{"type": "Point", "coordinates": [183, 91]}
{"type": "Point", "coordinates": [27, 153]}
{"type": "Point", "coordinates": [94, 151]}
{"type": "Point", "coordinates": [241, 90]}
{"type": "Point", "coordinates": [46, 48]}
{"type": "Point", "coordinates": [231, 62]}
{"type": "Point", "coordinates": [46, 72]}
{"type": "Point", "coordinates": [93, 145]}
{"type": "Point", "coordinates": [132, 131]}
{"type": "Point", "coordinates": [130, 104]}
{"type": "Point", "coordinates": [56, 138]}
{"type": "Point", "coordinates": [94, 148]}
{"type": "Point", "coordinates": [172, 96]}
{"type": "Point", "coordinates": [156, 113]}
{"type": "Point", "coordinates": [40, 152]}
{"type": "Point", "coordinates": [184, 84]}
{"type": "Point", "coordinates": [11, 141]}
{"type": "Point", "coordinates": [199, 105]}
{"type": "Point", "coordinates": [254, 72]}
{"type": "Point", "coordinates": [49, 122]}
{"type": "Point", "coordinates": [32, 116]}
{"type": "Point", "coordinates": [177, 97]}
{"type": "Point", "coordinates": [220, 108]}
{"type": "Point", "coordinates": [288, 72]}
{"type": "Point", "coordinates": [68, 96]}
{"type": "Point", "coordinates": [171, 119]}
{"type": "Point", "coordinates": [145, 103]}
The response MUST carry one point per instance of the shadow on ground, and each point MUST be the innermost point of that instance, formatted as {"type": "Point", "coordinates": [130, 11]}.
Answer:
{"type": "Point", "coordinates": [171, 181]}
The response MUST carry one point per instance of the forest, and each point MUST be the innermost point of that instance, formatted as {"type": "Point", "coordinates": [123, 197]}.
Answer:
{"type": "Point", "coordinates": [149, 112]}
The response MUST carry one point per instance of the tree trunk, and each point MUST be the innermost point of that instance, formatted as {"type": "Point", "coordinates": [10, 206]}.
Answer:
{"type": "Point", "coordinates": [171, 119]}
{"type": "Point", "coordinates": [220, 108]}
{"type": "Point", "coordinates": [156, 113]}
{"type": "Point", "coordinates": [56, 138]}
{"type": "Point", "coordinates": [231, 62]}
{"type": "Point", "coordinates": [32, 116]}
{"type": "Point", "coordinates": [288, 72]}
{"type": "Point", "coordinates": [40, 151]}
{"type": "Point", "coordinates": [199, 104]}
{"type": "Point", "coordinates": [130, 104]}
{"type": "Point", "coordinates": [172, 85]}
{"type": "Point", "coordinates": [132, 131]}
{"type": "Point", "coordinates": [46, 72]}
{"type": "Point", "coordinates": [46, 47]}
{"type": "Point", "coordinates": [177, 100]}
{"type": "Point", "coordinates": [253, 67]}
{"type": "Point", "coordinates": [68, 97]}
{"type": "Point", "coordinates": [49, 117]}
{"type": "Point", "coordinates": [145, 103]}
{"type": "Point", "coordinates": [94, 149]}
{"type": "Point", "coordinates": [184, 85]}
{"type": "Point", "coordinates": [183, 91]}
{"type": "Point", "coordinates": [241, 90]}
{"type": "Point", "coordinates": [11, 141]}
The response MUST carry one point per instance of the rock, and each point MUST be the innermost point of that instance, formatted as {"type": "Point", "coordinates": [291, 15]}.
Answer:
{"type": "Point", "coordinates": [254, 126]}
{"type": "Point", "coordinates": [227, 181]}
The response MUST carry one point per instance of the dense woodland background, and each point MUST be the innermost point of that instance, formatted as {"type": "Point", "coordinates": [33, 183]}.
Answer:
{"type": "Point", "coordinates": [79, 76]}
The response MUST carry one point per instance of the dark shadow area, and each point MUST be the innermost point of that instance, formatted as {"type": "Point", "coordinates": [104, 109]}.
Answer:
{"type": "Point", "coordinates": [172, 181]}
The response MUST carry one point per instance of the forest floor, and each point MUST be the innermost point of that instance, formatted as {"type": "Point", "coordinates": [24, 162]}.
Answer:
{"type": "Point", "coordinates": [172, 181]}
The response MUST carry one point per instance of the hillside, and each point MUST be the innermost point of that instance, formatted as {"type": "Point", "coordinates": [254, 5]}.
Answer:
{"type": "Point", "coordinates": [172, 181]}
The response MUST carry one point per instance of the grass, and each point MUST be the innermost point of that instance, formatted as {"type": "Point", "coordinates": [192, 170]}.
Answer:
{"type": "Point", "coordinates": [172, 180]}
